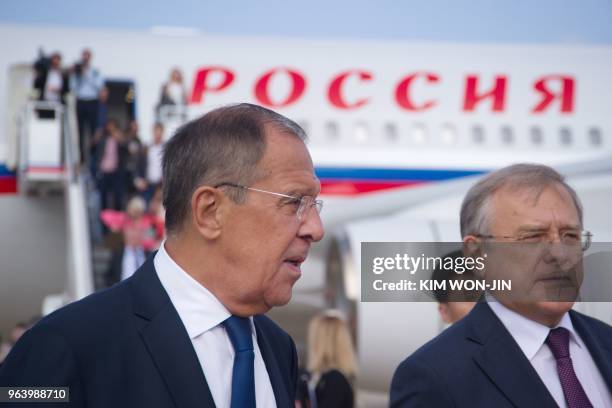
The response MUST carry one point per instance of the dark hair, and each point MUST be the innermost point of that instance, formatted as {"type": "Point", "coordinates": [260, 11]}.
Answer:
{"type": "Point", "coordinates": [447, 294]}
{"type": "Point", "coordinates": [225, 145]}
{"type": "Point", "coordinates": [111, 121]}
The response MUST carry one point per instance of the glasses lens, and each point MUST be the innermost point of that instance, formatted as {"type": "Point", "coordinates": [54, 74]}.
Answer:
{"type": "Point", "coordinates": [306, 204]}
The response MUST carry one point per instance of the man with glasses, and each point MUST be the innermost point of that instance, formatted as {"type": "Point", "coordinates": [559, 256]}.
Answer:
{"type": "Point", "coordinates": [522, 347]}
{"type": "Point", "coordinates": [187, 329]}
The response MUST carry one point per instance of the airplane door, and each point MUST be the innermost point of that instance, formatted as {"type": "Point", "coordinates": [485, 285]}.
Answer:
{"type": "Point", "coordinates": [121, 101]}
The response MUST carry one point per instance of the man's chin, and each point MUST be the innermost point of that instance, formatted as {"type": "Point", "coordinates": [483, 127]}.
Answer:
{"type": "Point", "coordinates": [554, 308]}
{"type": "Point", "coordinates": [544, 312]}
{"type": "Point", "coordinates": [279, 299]}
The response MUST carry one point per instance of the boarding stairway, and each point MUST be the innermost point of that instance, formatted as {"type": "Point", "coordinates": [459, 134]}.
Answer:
{"type": "Point", "coordinates": [46, 251]}
{"type": "Point", "coordinates": [49, 163]}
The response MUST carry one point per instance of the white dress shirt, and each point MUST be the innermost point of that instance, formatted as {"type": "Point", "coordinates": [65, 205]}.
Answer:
{"type": "Point", "coordinates": [176, 92]}
{"type": "Point", "coordinates": [53, 86]}
{"type": "Point", "coordinates": [154, 163]}
{"type": "Point", "coordinates": [202, 315]}
{"type": "Point", "coordinates": [88, 85]}
{"type": "Point", "coordinates": [531, 337]}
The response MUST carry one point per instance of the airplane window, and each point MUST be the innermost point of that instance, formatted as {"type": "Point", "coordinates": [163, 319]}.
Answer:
{"type": "Point", "coordinates": [595, 136]}
{"type": "Point", "coordinates": [331, 131]}
{"type": "Point", "coordinates": [478, 135]}
{"type": "Point", "coordinates": [536, 135]}
{"type": "Point", "coordinates": [565, 136]}
{"type": "Point", "coordinates": [507, 135]}
{"type": "Point", "coordinates": [419, 133]}
{"type": "Point", "coordinates": [362, 132]}
{"type": "Point", "coordinates": [449, 134]}
{"type": "Point", "coordinates": [391, 132]}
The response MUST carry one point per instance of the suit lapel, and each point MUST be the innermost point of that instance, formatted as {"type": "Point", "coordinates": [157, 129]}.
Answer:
{"type": "Point", "coordinates": [276, 378]}
{"type": "Point", "coordinates": [167, 341]}
{"type": "Point", "coordinates": [599, 345]}
{"type": "Point", "coordinates": [502, 360]}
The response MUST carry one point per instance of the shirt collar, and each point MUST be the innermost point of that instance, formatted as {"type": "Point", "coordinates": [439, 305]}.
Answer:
{"type": "Point", "coordinates": [197, 307]}
{"type": "Point", "coordinates": [528, 334]}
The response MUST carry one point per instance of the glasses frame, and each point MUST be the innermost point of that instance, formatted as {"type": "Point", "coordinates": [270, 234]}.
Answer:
{"type": "Point", "coordinates": [306, 202]}
{"type": "Point", "coordinates": [586, 238]}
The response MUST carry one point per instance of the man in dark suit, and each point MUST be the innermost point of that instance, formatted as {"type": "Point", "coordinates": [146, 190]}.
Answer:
{"type": "Point", "coordinates": [523, 347]}
{"type": "Point", "coordinates": [187, 329]}
{"type": "Point", "coordinates": [51, 81]}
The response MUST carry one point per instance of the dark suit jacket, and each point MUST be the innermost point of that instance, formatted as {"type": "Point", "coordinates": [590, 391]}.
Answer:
{"type": "Point", "coordinates": [334, 391]}
{"type": "Point", "coordinates": [477, 363]}
{"type": "Point", "coordinates": [127, 347]}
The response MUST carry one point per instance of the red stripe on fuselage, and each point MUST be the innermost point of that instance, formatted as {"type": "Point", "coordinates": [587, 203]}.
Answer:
{"type": "Point", "coordinates": [359, 187]}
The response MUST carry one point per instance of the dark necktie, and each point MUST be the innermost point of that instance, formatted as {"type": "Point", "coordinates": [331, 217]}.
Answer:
{"type": "Point", "coordinates": [243, 374]}
{"type": "Point", "coordinates": [558, 342]}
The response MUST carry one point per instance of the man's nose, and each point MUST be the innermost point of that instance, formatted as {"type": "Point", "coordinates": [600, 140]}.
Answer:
{"type": "Point", "coordinates": [554, 236]}
{"type": "Point", "coordinates": [560, 253]}
{"type": "Point", "coordinates": [312, 226]}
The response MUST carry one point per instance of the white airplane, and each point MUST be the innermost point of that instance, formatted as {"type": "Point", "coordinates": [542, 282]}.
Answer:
{"type": "Point", "coordinates": [398, 132]}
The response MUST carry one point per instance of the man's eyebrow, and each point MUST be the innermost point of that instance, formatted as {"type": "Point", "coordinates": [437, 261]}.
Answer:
{"type": "Point", "coordinates": [570, 226]}
{"type": "Point", "coordinates": [300, 192]}
{"type": "Point", "coordinates": [313, 190]}
{"type": "Point", "coordinates": [537, 228]}
{"type": "Point", "coordinates": [533, 227]}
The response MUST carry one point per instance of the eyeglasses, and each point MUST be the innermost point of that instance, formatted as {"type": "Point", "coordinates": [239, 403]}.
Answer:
{"type": "Point", "coordinates": [301, 204]}
{"type": "Point", "coordinates": [568, 237]}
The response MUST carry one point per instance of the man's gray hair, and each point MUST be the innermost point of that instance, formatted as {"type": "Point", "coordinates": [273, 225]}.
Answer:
{"type": "Point", "coordinates": [223, 146]}
{"type": "Point", "coordinates": [534, 177]}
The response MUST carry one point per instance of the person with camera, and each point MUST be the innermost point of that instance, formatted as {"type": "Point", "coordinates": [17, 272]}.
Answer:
{"type": "Point", "coordinates": [87, 84]}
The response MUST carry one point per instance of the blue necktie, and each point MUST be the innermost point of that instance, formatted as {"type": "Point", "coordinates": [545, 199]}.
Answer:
{"type": "Point", "coordinates": [243, 374]}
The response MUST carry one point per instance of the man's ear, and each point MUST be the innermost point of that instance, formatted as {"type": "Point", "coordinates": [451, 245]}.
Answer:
{"type": "Point", "coordinates": [473, 248]}
{"type": "Point", "coordinates": [205, 211]}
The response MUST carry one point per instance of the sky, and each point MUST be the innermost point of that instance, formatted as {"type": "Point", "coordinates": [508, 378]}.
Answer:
{"type": "Point", "coordinates": [492, 21]}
